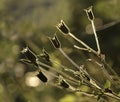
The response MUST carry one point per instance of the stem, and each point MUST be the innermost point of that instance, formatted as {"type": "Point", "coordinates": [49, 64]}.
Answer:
{"type": "Point", "coordinates": [85, 45]}
{"type": "Point", "coordinates": [62, 66]}
{"type": "Point", "coordinates": [112, 71]}
{"type": "Point", "coordinates": [66, 56]}
{"type": "Point", "coordinates": [88, 82]}
{"type": "Point", "coordinates": [96, 37]}
{"type": "Point", "coordinates": [102, 67]}
{"type": "Point", "coordinates": [106, 73]}
{"type": "Point", "coordinates": [112, 95]}
{"type": "Point", "coordinates": [80, 48]}
{"type": "Point", "coordinates": [53, 69]}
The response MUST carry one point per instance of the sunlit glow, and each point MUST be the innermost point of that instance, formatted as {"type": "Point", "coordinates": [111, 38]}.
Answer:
{"type": "Point", "coordinates": [32, 81]}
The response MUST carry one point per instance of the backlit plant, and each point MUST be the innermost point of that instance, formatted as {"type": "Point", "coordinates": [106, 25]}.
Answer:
{"type": "Point", "coordinates": [80, 76]}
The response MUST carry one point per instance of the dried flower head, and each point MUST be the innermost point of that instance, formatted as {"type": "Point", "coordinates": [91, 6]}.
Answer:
{"type": "Point", "coordinates": [29, 54]}
{"type": "Point", "coordinates": [42, 77]}
{"type": "Point", "coordinates": [55, 41]}
{"type": "Point", "coordinates": [89, 13]}
{"type": "Point", "coordinates": [62, 27]}
{"type": "Point", "coordinates": [45, 55]}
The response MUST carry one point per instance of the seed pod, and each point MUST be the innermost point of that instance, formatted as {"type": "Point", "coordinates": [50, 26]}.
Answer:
{"type": "Point", "coordinates": [45, 55]}
{"type": "Point", "coordinates": [64, 84]}
{"type": "Point", "coordinates": [29, 54]}
{"type": "Point", "coordinates": [42, 77]}
{"type": "Point", "coordinates": [89, 13]}
{"type": "Point", "coordinates": [62, 27]}
{"type": "Point", "coordinates": [55, 41]}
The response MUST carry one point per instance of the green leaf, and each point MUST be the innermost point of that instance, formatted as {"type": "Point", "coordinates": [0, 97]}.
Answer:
{"type": "Point", "coordinates": [107, 84]}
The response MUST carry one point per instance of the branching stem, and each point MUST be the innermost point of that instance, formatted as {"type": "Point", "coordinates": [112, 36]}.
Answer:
{"type": "Point", "coordinates": [84, 44]}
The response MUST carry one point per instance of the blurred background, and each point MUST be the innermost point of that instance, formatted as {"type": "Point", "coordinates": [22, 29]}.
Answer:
{"type": "Point", "coordinates": [32, 22]}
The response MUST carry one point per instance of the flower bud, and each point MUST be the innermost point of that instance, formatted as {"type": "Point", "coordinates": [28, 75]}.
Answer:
{"type": "Point", "coordinates": [42, 77]}
{"type": "Point", "coordinates": [55, 41]}
{"type": "Point", "coordinates": [62, 27]}
{"type": "Point", "coordinates": [89, 13]}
